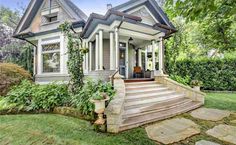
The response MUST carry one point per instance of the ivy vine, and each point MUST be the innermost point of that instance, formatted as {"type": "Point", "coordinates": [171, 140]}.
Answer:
{"type": "Point", "coordinates": [76, 53]}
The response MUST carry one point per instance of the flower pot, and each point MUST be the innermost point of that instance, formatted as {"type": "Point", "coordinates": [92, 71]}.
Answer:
{"type": "Point", "coordinates": [99, 109]}
{"type": "Point", "coordinates": [197, 88]}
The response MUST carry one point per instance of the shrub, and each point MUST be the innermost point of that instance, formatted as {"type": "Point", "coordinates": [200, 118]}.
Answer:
{"type": "Point", "coordinates": [82, 99]}
{"type": "Point", "coordinates": [196, 83]}
{"type": "Point", "coordinates": [10, 75]}
{"type": "Point", "coordinates": [183, 80]}
{"type": "Point", "coordinates": [34, 97]}
{"type": "Point", "coordinates": [216, 74]}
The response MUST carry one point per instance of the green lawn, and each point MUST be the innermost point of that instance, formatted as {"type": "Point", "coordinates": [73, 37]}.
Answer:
{"type": "Point", "coordinates": [225, 101]}
{"type": "Point", "coordinates": [57, 129]}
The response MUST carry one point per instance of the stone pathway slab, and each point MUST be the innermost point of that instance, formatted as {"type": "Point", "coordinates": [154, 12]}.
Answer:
{"type": "Point", "coordinates": [210, 114]}
{"type": "Point", "coordinates": [204, 142]}
{"type": "Point", "coordinates": [233, 121]}
{"type": "Point", "coordinates": [224, 132]}
{"type": "Point", "coordinates": [174, 130]}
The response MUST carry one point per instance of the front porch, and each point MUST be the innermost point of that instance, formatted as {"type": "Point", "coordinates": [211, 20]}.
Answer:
{"type": "Point", "coordinates": [133, 49]}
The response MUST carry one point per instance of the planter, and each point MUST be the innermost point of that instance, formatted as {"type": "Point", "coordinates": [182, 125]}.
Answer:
{"type": "Point", "coordinates": [99, 109]}
{"type": "Point", "coordinates": [197, 88]}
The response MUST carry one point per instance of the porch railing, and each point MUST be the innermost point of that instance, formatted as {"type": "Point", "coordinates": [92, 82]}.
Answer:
{"type": "Point", "coordinates": [113, 75]}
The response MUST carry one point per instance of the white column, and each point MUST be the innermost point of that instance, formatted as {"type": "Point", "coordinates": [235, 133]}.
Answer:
{"type": "Point", "coordinates": [153, 55]}
{"type": "Point", "coordinates": [40, 63]}
{"type": "Point", "coordinates": [35, 60]}
{"type": "Point", "coordinates": [100, 49]}
{"type": "Point", "coordinates": [87, 58]}
{"type": "Point", "coordinates": [90, 56]}
{"type": "Point", "coordinates": [139, 57]}
{"type": "Point", "coordinates": [112, 65]}
{"type": "Point", "coordinates": [96, 52]}
{"type": "Point", "coordinates": [117, 48]}
{"type": "Point", "coordinates": [146, 57]}
{"type": "Point", "coordinates": [161, 49]}
{"type": "Point", "coordinates": [84, 62]}
{"type": "Point", "coordinates": [62, 55]}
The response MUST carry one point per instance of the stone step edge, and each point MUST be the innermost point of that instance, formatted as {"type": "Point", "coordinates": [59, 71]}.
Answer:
{"type": "Point", "coordinates": [143, 86]}
{"type": "Point", "coordinates": [139, 83]}
{"type": "Point", "coordinates": [166, 107]}
{"type": "Point", "coordinates": [148, 96]}
{"type": "Point", "coordinates": [154, 102]}
{"type": "Point", "coordinates": [146, 90]}
{"type": "Point", "coordinates": [134, 125]}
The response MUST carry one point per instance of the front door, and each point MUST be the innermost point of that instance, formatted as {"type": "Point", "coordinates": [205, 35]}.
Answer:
{"type": "Point", "coordinates": [122, 63]}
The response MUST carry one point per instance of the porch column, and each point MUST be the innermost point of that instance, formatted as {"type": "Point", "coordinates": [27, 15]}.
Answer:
{"type": "Point", "coordinates": [96, 52]}
{"type": "Point", "coordinates": [112, 66]}
{"type": "Point", "coordinates": [87, 58]}
{"type": "Point", "coordinates": [153, 56]}
{"type": "Point", "coordinates": [139, 58]}
{"type": "Point", "coordinates": [90, 56]}
{"type": "Point", "coordinates": [161, 50]}
{"type": "Point", "coordinates": [100, 49]}
{"type": "Point", "coordinates": [117, 47]}
{"type": "Point", "coordinates": [146, 57]}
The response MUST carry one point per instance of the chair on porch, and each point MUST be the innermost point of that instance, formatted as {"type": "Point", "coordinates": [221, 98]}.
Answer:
{"type": "Point", "coordinates": [138, 72]}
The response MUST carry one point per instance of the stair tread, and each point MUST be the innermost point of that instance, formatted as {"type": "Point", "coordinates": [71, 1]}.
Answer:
{"type": "Point", "coordinates": [143, 83]}
{"type": "Point", "coordinates": [161, 99]}
{"type": "Point", "coordinates": [148, 118]}
{"type": "Point", "coordinates": [155, 107]}
{"type": "Point", "coordinates": [146, 90]}
{"type": "Point", "coordinates": [143, 86]}
{"type": "Point", "coordinates": [149, 95]}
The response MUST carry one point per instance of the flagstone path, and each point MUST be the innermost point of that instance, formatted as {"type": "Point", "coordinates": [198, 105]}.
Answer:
{"type": "Point", "coordinates": [210, 114]}
{"type": "Point", "coordinates": [204, 142]}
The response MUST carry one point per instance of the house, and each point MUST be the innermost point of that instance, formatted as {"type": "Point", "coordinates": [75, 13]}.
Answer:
{"type": "Point", "coordinates": [126, 42]}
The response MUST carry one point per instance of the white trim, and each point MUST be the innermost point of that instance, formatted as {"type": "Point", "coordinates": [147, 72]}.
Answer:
{"type": "Point", "coordinates": [96, 52]}
{"type": "Point", "coordinates": [112, 51]}
{"type": "Point", "coordinates": [101, 50]}
{"type": "Point", "coordinates": [153, 56]}
{"type": "Point", "coordinates": [117, 48]}
{"type": "Point", "coordinates": [131, 5]}
{"type": "Point", "coordinates": [90, 56]}
{"type": "Point", "coordinates": [139, 8]}
{"type": "Point", "coordinates": [39, 65]}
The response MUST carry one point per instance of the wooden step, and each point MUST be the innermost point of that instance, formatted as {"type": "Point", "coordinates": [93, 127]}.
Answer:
{"type": "Point", "coordinates": [151, 101]}
{"type": "Point", "coordinates": [138, 80]}
{"type": "Point", "coordinates": [143, 96]}
{"type": "Point", "coordinates": [146, 91]}
{"type": "Point", "coordinates": [141, 83]}
{"type": "Point", "coordinates": [147, 86]}
{"type": "Point", "coordinates": [158, 107]}
{"type": "Point", "coordinates": [148, 118]}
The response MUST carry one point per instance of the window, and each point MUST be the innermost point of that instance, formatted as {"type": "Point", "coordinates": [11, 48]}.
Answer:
{"type": "Point", "coordinates": [52, 19]}
{"type": "Point", "coordinates": [51, 58]}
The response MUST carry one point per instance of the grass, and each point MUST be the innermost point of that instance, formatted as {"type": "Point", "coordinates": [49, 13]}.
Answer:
{"type": "Point", "coordinates": [57, 129]}
{"type": "Point", "coordinates": [225, 101]}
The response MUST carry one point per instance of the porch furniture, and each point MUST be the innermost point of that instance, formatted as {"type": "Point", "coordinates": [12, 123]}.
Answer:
{"type": "Point", "coordinates": [138, 72]}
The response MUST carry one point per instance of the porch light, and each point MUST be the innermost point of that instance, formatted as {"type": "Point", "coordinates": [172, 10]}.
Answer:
{"type": "Point", "coordinates": [131, 40]}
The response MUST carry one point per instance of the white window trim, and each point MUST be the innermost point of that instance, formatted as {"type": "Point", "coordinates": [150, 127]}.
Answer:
{"type": "Point", "coordinates": [42, 42]}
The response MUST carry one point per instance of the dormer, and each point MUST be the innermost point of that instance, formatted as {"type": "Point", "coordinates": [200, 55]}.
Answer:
{"type": "Point", "coordinates": [50, 12]}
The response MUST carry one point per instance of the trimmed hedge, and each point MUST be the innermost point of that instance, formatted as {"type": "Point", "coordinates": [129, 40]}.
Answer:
{"type": "Point", "coordinates": [216, 74]}
{"type": "Point", "coordinates": [10, 75]}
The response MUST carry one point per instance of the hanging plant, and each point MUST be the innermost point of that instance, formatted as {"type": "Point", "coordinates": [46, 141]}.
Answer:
{"type": "Point", "coordinates": [76, 53]}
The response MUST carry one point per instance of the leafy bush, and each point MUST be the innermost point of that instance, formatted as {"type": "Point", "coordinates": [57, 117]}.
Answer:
{"type": "Point", "coordinates": [196, 83]}
{"type": "Point", "coordinates": [10, 75]}
{"type": "Point", "coordinates": [34, 97]}
{"type": "Point", "coordinates": [82, 99]}
{"type": "Point", "coordinates": [183, 80]}
{"type": "Point", "coordinates": [216, 74]}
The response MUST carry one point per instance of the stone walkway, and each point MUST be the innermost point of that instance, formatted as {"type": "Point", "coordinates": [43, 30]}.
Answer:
{"type": "Point", "coordinates": [210, 114]}
{"type": "Point", "coordinates": [173, 130]}
{"type": "Point", "coordinates": [178, 129]}
{"type": "Point", "coordinates": [204, 142]}
{"type": "Point", "coordinates": [224, 132]}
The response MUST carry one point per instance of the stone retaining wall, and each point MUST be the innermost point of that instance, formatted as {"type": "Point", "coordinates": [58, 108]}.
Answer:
{"type": "Point", "coordinates": [180, 88]}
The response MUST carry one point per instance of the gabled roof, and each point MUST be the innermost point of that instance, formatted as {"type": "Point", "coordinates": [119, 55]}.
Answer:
{"type": "Point", "coordinates": [152, 5]}
{"type": "Point", "coordinates": [35, 5]}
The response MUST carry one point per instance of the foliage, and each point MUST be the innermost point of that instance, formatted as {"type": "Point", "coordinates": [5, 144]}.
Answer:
{"type": "Point", "coordinates": [82, 99]}
{"type": "Point", "coordinates": [216, 74]}
{"type": "Point", "coordinates": [13, 50]}
{"type": "Point", "coordinates": [34, 97]}
{"type": "Point", "coordinates": [11, 74]}
{"type": "Point", "coordinates": [215, 22]}
{"type": "Point", "coordinates": [99, 96]}
{"type": "Point", "coordinates": [194, 83]}
{"type": "Point", "coordinates": [76, 54]}
{"type": "Point", "coordinates": [183, 80]}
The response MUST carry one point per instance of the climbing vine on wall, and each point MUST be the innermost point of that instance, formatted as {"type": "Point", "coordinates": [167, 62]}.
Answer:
{"type": "Point", "coordinates": [76, 53]}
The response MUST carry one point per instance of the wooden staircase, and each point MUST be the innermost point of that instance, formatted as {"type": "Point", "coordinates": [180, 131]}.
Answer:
{"type": "Point", "coordinates": [147, 102]}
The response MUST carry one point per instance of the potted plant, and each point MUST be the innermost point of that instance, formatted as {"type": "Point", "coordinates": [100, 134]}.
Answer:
{"type": "Point", "coordinates": [99, 99]}
{"type": "Point", "coordinates": [196, 84]}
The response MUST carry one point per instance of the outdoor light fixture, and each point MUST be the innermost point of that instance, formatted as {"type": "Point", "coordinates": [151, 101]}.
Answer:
{"type": "Point", "coordinates": [131, 40]}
